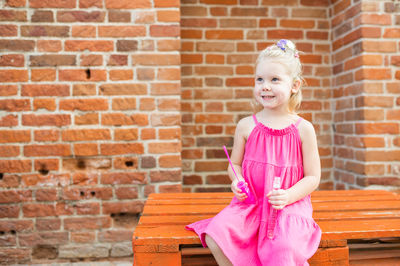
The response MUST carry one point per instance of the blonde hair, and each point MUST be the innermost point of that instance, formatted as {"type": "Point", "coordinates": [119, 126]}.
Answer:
{"type": "Point", "coordinates": [289, 57]}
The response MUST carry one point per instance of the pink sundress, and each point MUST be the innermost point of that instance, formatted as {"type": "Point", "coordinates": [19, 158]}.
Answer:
{"type": "Point", "coordinates": [240, 229]}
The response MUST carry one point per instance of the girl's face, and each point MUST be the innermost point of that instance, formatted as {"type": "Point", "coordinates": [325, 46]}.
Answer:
{"type": "Point", "coordinates": [273, 85]}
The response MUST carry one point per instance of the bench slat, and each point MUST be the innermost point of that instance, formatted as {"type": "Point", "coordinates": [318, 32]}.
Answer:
{"type": "Point", "coordinates": [322, 193]}
{"type": "Point", "coordinates": [202, 201]}
{"type": "Point", "coordinates": [318, 207]}
{"type": "Point", "coordinates": [318, 216]}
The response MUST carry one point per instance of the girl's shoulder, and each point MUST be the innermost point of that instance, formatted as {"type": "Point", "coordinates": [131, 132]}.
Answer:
{"type": "Point", "coordinates": [245, 126]}
{"type": "Point", "coordinates": [306, 130]}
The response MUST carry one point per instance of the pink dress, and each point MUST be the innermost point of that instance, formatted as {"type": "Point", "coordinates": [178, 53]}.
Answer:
{"type": "Point", "coordinates": [240, 229]}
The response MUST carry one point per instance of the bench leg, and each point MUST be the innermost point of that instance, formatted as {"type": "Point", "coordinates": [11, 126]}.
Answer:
{"type": "Point", "coordinates": [157, 259]}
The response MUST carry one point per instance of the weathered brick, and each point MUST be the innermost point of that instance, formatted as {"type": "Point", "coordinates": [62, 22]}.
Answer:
{"type": "Point", "coordinates": [13, 255]}
{"type": "Point", "coordinates": [132, 206]}
{"type": "Point", "coordinates": [126, 192]}
{"type": "Point", "coordinates": [118, 119]}
{"type": "Point", "coordinates": [51, 31]}
{"type": "Point", "coordinates": [52, 3]}
{"type": "Point", "coordinates": [119, 16]}
{"type": "Point", "coordinates": [43, 224]}
{"type": "Point", "coordinates": [47, 150]}
{"type": "Point", "coordinates": [14, 136]}
{"type": "Point", "coordinates": [38, 210]}
{"type": "Point", "coordinates": [9, 151]}
{"type": "Point", "coordinates": [46, 120]}
{"type": "Point", "coordinates": [93, 46]}
{"type": "Point", "coordinates": [46, 195]}
{"type": "Point", "coordinates": [82, 75]}
{"type": "Point", "coordinates": [52, 60]}
{"type": "Point", "coordinates": [126, 4]}
{"type": "Point", "coordinates": [12, 15]}
{"type": "Point", "coordinates": [123, 89]}
{"type": "Point", "coordinates": [34, 90]}
{"type": "Point", "coordinates": [85, 134]}
{"type": "Point", "coordinates": [80, 16]}
{"type": "Point", "coordinates": [83, 237]}
{"type": "Point", "coordinates": [86, 149]}
{"type": "Point", "coordinates": [17, 45]}
{"type": "Point", "coordinates": [117, 60]}
{"type": "Point", "coordinates": [84, 251]}
{"type": "Point", "coordinates": [91, 60]}
{"type": "Point", "coordinates": [165, 119]}
{"type": "Point", "coordinates": [170, 188]}
{"type": "Point", "coordinates": [8, 75]}
{"type": "Point", "coordinates": [86, 31]}
{"type": "Point", "coordinates": [114, 149]}
{"type": "Point", "coordinates": [15, 196]}
{"type": "Point", "coordinates": [84, 104]}
{"type": "Point", "coordinates": [8, 121]}
{"type": "Point", "coordinates": [13, 60]}
{"type": "Point", "coordinates": [120, 74]}
{"type": "Point", "coordinates": [87, 119]}
{"type": "Point", "coordinates": [42, 16]}
{"type": "Point", "coordinates": [41, 74]}
{"type": "Point", "coordinates": [122, 31]}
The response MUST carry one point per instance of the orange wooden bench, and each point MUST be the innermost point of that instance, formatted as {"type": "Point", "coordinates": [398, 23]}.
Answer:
{"type": "Point", "coordinates": [365, 222]}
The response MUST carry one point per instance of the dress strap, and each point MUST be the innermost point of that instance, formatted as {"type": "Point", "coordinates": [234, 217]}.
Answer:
{"type": "Point", "coordinates": [298, 122]}
{"type": "Point", "coordinates": [255, 119]}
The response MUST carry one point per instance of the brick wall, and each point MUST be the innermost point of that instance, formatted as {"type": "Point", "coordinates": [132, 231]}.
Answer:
{"type": "Point", "coordinates": [89, 123]}
{"type": "Point", "coordinates": [94, 95]}
{"type": "Point", "coordinates": [220, 43]}
{"type": "Point", "coordinates": [366, 99]}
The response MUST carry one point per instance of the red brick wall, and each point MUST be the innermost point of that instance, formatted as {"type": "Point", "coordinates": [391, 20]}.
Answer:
{"type": "Point", "coordinates": [220, 42]}
{"type": "Point", "coordinates": [366, 103]}
{"type": "Point", "coordinates": [89, 123]}
{"type": "Point", "coordinates": [95, 106]}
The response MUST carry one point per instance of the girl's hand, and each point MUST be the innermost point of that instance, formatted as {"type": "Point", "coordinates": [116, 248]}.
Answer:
{"type": "Point", "coordinates": [278, 198]}
{"type": "Point", "coordinates": [237, 191]}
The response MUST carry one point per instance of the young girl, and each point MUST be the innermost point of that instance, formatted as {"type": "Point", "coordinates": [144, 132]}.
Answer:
{"type": "Point", "coordinates": [274, 142]}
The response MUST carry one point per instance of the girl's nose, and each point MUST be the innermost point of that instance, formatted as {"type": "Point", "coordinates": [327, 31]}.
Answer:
{"type": "Point", "coordinates": [266, 88]}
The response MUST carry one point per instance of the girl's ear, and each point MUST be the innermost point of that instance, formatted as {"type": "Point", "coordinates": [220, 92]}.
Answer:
{"type": "Point", "coordinates": [296, 86]}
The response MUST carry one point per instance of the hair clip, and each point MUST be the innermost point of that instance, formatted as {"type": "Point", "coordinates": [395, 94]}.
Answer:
{"type": "Point", "coordinates": [285, 44]}
{"type": "Point", "coordinates": [282, 44]}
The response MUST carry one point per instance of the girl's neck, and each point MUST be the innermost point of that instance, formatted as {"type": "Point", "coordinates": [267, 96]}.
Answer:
{"type": "Point", "coordinates": [276, 118]}
{"type": "Point", "coordinates": [275, 114]}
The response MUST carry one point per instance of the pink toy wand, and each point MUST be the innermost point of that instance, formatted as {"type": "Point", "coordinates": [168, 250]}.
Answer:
{"type": "Point", "coordinates": [241, 184]}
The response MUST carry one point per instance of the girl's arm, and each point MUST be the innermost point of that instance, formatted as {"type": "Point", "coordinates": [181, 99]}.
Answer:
{"type": "Point", "coordinates": [311, 167]}
{"type": "Point", "coordinates": [239, 143]}
{"type": "Point", "coordinates": [237, 157]}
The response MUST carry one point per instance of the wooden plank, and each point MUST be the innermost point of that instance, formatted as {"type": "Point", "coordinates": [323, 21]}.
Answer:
{"type": "Point", "coordinates": [318, 216]}
{"type": "Point", "coordinates": [172, 219]}
{"type": "Point", "coordinates": [206, 260]}
{"type": "Point", "coordinates": [367, 228]}
{"type": "Point", "coordinates": [192, 251]}
{"type": "Point", "coordinates": [322, 206]}
{"type": "Point", "coordinates": [320, 193]}
{"type": "Point", "coordinates": [377, 253]}
{"type": "Point", "coordinates": [376, 262]}
{"type": "Point", "coordinates": [156, 248]}
{"type": "Point", "coordinates": [226, 201]}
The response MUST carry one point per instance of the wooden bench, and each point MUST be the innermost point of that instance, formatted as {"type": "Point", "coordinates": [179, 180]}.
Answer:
{"type": "Point", "coordinates": [363, 221]}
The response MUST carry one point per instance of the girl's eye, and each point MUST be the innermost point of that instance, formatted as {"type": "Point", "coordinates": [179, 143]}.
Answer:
{"type": "Point", "coordinates": [259, 80]}
{"type": "Point", "coordinates": [275, 79]}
